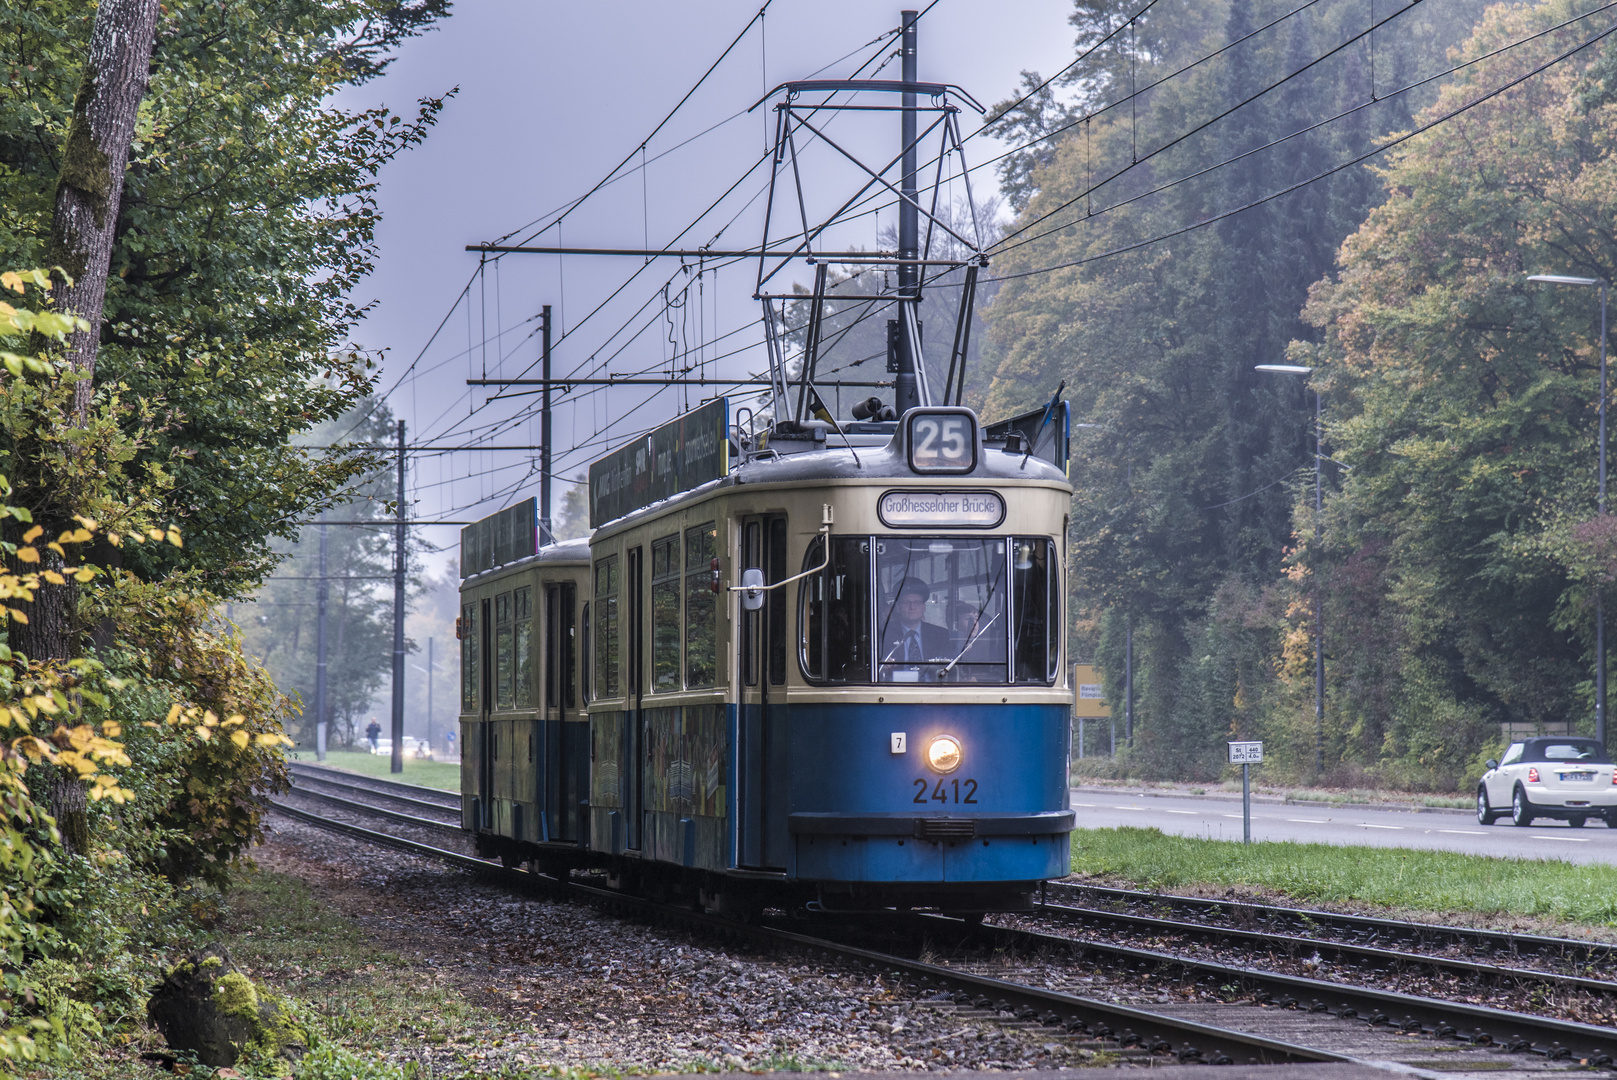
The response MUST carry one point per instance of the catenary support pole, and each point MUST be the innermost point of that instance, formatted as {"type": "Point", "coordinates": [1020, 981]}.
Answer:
{"type": "Point", "coordinates": [429, 695]}
{"type": "Point", "coordinates": [398, 620]}
{"type": "Point", "coordinates": [546, 536]}
{"type": "Point", "coordinates": [1128, 683]}
{"type": "Point", "coordinates": [1319, 604]}
{"type": "Point", "coordinates": [907, 392]}
{"type": "Point", "coordinates": [1600, 611]}
{"type": "Point", "coordinates": [321, 728]}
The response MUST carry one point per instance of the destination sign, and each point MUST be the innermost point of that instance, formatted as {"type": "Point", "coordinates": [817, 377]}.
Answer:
{"type": "Point", "coordinates": [500, 538]}
{"type": "Point", "coordinates": [941, 509]}
{"type": "Point", "coordinates": [684, 453]}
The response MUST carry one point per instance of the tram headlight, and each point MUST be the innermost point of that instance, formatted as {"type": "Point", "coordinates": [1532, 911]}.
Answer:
{"type": "Point", "coordinates": [943, 754]}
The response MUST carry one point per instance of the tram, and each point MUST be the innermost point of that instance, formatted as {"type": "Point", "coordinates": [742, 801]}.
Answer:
{"type": "Point", "coordinates": [799, 661]}
{"type": "Point", "coordinates": [829, 673]}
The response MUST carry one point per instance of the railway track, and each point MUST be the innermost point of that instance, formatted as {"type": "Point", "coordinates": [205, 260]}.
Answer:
{"type": "Point", "coordinates": [1358, 929]}
{"type": "Point", "coordinates": [1323, 950]}
{"type": "Point", "coordinates": [1537, 1042]}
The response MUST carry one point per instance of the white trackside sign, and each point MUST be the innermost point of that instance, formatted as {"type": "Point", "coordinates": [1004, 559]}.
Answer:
{"type": "Point", "coordinates": [1245, 753]}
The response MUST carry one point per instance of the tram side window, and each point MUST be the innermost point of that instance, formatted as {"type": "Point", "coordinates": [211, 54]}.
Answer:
{"type": "Point", "coordinates": [522, 668]}
{"type": "Point", "coordinates": [751, 557]}
{"type": "Point", "coordinates": [665, 631]}
{"type": "Point", "coordinates": [502, 651]}
{"type": "Point", "coordinates": [775, 601]}
{"type": "Point", "coordinates": [835, 608]}
{"type": "Point", "coordinates": [470, 659]}
{"type": "Point", "coordinates": [584, 636]}
{"type": "Point", "coordinates": [701, 606]}
{"type": "Point", "coordinates": [569, 634]}
{"type": "Point", "coordinates": [607, 665]}
{"type": "Point", "coordinates": [1035, 586]}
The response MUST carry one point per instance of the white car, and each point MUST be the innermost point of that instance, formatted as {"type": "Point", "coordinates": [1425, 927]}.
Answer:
{"type": "Point", "coordinates": [1565, 777]}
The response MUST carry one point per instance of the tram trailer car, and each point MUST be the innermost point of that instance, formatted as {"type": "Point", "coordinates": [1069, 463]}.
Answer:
{"type": "Point", "coordinates": [524, 733]}
{"type": "Point", "coordinates": [830, 674]}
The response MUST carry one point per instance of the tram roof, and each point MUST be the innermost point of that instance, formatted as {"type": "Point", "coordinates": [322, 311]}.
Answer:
{"type": "Point", "coordinates": [806, 458]}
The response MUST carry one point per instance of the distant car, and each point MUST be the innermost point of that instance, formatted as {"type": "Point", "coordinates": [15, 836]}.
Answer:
{"type": "Point", "coordinates": [1563, 777]}
{"type": "Point", "coordinates": [384, 746]}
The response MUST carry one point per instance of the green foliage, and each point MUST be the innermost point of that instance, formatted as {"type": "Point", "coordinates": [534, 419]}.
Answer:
{"type": "Point", "coordinates": [248, 217]}
{"type": "Point", "coordinates": [1187, 515]}
{"type": "Point", "coordinates": [1463, 546]}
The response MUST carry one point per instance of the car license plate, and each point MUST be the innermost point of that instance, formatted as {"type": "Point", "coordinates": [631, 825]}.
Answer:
{"type": "Point", "coordinates": [1580, 776]}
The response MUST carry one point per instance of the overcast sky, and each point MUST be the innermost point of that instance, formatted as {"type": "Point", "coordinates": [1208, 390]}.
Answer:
{"type": "Point", "coordinates": [551, 97]}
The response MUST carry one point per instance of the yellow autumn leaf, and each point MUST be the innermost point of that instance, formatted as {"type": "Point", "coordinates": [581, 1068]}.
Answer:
{"type": "Point", "coordinates": [33, 534]}
{"type": "Point", "coordinates": [111, 729]}
{"type": "Point", "coordinates": [19, 616]}
{"type": "Point", "coordinates": [115, 540]}
{"type": "Point", "coordinates": [27, 554]}
{"type": "Point", "coordinates": [12, 280]}
{"type": "Point", "coordinates": [240, 739]}
{"type": "Point", "coordinates": [155, 534]}
{"type": "Point", "coordinates": [53, 577]}
{"type": "Point", "coordinates": [174, 537]}
{"type": "Point", "coordinates": [204, 733]}
{"type": "Point", "coordinates": [84, 574]}
{"type": "Point", "coordinates": [174, 714]}
{"type": "Point", "coordinates": [234, 720]}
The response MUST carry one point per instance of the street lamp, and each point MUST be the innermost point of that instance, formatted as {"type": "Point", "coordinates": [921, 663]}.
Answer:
{"type": "Point", "coordinates": [1319, 626]}
{"type": "Point", "coordinates": [1600, 615]}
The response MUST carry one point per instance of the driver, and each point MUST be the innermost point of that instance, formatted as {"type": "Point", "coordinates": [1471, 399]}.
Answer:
{"type": "Point", "coordinates": [910, 638]}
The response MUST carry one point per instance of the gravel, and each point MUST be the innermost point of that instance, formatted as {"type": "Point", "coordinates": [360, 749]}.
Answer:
{"type": "Point", "coordinates": [575, 987]}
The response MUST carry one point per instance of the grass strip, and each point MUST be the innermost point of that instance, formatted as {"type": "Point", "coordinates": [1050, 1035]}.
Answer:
{"type": "Point", "coordinates": [1429, 882]}
{"type": "Point", "coordinates": [444, 775]}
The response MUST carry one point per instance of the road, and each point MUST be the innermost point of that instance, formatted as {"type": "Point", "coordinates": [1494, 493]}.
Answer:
{"type": "Point", "coordinates": [1220, 819]}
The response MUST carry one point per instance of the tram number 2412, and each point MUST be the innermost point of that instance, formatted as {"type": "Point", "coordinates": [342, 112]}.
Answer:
{"type": "Point", "coordinates": [956, 791]}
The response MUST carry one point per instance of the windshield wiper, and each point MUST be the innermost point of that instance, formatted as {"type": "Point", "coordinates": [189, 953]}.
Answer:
{"type": "Point", "coordinates": [969, 643]}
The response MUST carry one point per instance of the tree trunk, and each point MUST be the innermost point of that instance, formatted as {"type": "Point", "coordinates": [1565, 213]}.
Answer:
{"type": "Point", "coordinates": [90, 186]}
{"type": "Point", "coordinates": [88, 191]}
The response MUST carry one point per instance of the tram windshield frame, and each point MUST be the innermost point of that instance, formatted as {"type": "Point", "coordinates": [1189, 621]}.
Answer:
{"type": "Point", "coordinates": [969, 610]}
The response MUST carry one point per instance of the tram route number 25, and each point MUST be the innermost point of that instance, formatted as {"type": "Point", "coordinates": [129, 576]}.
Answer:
{"type": "Point", "coordinates": [946, 791]}
{"type": "Point", "coordinates": [942, 442]}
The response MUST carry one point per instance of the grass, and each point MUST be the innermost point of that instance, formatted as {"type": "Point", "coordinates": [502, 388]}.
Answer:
{"type": "Point", "coordinates": [444, 775]}
{"type": "Point", "coordinates": [368, 1007]}
{"type": "Point", "coordinates": [1427, 882]}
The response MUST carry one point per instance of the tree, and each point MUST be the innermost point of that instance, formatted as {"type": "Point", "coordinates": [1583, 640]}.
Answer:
{"type": "Point", "coordinates": [1464, 543]}
{"type": "Point", "coordinates": [1185, 486]}
{"type": "Point", "coordinates": [278, 625]}
{"type": "Point", "coordinates": [246, 224]}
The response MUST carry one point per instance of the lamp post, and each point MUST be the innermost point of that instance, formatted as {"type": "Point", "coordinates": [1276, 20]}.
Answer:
{"type": "Point", "coordinates": [1319, 625]}
{"type": "Point", "coordinates": [1600, 615]}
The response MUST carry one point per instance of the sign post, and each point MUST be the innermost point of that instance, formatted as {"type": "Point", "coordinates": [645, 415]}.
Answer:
{"type": "Point", "coordinates": [1246, 755]}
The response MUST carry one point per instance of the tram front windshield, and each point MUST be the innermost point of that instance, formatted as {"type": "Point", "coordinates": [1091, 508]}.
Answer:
{"type": "Point", "coordinates": [932, 609]}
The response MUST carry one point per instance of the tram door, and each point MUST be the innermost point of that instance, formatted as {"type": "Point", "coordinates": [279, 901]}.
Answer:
{"type": "Point", "coordinates": [560, 698]}
{"type": "Point", "coordinates": [634, 755]}
{"type": "Point", "coordinates": [764, 648]}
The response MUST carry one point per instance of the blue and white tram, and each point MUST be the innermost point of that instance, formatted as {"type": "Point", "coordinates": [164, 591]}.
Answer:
{"type": "Point", "coordinates": [830, 672]}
